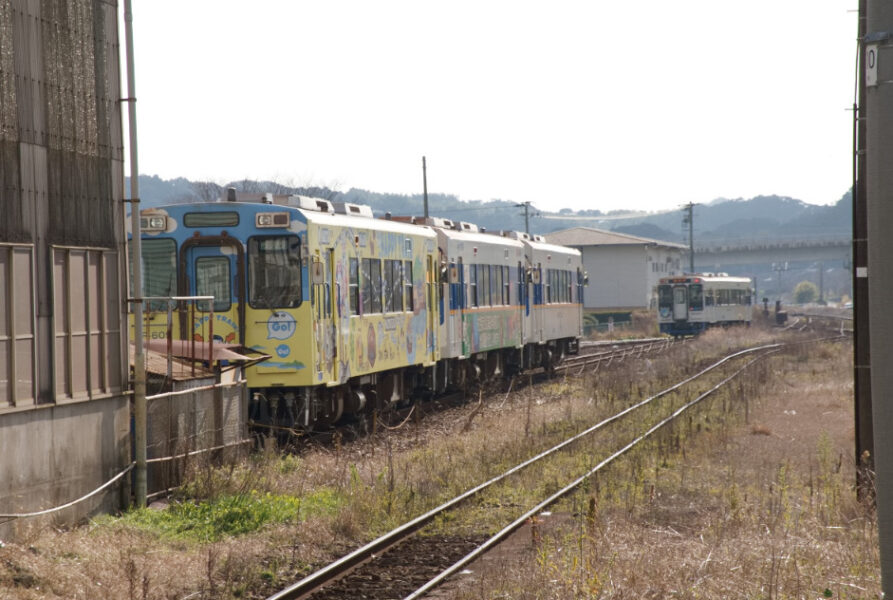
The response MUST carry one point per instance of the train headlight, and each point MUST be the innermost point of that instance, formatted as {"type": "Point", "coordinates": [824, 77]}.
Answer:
{"type": "Point", "coordinates": [153, 223]}
{"type": "Point", "coordinates": [272, 219]}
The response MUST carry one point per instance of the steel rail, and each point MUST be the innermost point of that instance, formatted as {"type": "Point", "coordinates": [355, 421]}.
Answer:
{"type": "Point", "coordinates": [514, 525]}
{"type": "Point", "coordinates": [341, 566]}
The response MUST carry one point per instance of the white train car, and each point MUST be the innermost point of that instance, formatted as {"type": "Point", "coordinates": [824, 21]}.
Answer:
{"type": "Point", "coordinates": [689, 304]}
{"type": "Point", "coordinates": [553, 316]}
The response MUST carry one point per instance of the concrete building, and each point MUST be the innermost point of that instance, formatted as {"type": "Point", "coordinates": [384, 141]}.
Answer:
{"type": "Point", "coordinates": [623, 269]}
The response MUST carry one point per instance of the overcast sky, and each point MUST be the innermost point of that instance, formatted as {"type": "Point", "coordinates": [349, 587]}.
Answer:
{"type": "Point", "coordinates": [643, 104]}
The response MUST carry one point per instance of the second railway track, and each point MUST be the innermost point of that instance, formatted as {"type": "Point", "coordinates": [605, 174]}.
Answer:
{"type": "Point", "coordinates": [368, 572]}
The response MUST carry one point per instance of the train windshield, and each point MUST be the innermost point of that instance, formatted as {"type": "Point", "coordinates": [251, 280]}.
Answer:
{"type": "Point", "coordinates": [665, 295]}
{"type": "Point", "coordinates": [274, 272]}
{"type": "Point", "coordinates": [159, 266]}
{"type": "Point", "coordinates": [696, 297]}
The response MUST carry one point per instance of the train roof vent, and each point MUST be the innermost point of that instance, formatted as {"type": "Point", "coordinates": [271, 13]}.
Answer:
{"type": "Point", "coordinates": [357, 210]}
{"type": "Point", "coordinates": [308, 203]}
{"type": "Point", "coordinates": [463, 226]}
{"type": "Point", "coordinates": [538, 238]}
{"type": "Point", "coordinates": [515, 235]}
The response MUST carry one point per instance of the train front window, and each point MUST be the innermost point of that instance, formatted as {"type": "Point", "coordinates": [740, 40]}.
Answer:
{"type": "Point", "coordinates": [665, 295]}
{"type": "Point", "coordinates": [274, 272]}
{"type": "Point", "coordinates": [696, 297]}
{"type": "Point", "coordinates": [159, 270]}
{"type": "Point", "coordinates": [213, 278]}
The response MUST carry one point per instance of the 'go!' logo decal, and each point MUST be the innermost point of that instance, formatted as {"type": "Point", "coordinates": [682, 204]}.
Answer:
{"type": "Point", "coordinates": [281, 326]}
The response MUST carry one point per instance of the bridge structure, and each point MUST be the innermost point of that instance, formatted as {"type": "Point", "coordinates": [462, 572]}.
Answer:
{"type": "Point", "coordinates": [778, 265]}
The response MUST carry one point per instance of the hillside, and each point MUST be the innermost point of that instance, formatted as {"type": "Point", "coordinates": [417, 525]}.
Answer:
{"type": "Point", "coordinates": [761, 217]}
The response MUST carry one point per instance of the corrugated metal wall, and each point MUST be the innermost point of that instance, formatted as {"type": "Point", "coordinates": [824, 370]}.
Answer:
{"type": "Point", "coordinates": [61, 185]}
{"type": "Point", "coordinates": [59, 91]}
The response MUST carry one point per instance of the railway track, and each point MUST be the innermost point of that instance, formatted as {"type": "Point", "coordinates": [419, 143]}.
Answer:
{"type": "Point", "coordinates": [400, 564]}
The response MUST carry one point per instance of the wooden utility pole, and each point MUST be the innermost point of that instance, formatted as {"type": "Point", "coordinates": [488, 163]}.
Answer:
{"type": "Point", "coordinates": [688, 218]}
{"type": "Point", "coordinates": [878, 112]}
{"type": "Point", "coordinates": [864, 432]}
{"type": "Point", "coordinates": [425, 184]}
{"type": "Point", "coordinates": [526, 206]}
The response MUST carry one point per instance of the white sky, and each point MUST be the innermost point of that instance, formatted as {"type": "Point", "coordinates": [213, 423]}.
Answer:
{"type": "Point", "coordinates": [643, 104]}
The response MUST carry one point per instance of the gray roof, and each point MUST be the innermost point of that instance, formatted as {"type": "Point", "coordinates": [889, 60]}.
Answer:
{"type": "Point", "coordinates": [589, 236]}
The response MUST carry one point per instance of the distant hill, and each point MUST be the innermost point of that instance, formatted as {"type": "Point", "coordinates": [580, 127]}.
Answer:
{"type": "Point", "coordinates": [761, 217]}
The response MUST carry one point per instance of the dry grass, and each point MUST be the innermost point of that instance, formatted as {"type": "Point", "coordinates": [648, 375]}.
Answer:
{"type": "Point", "coordinates": [736, 515]}
{"type": "Point", "coordinates": [701, 508]}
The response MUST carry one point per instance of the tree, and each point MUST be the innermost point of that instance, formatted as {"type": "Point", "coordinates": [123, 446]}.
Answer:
{"type": "Point", "coordinates": [806, 292]}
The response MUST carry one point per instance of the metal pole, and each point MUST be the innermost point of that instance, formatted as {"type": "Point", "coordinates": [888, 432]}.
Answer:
{"type": "Point", "coordinates": [136, 257]}
{"type": "Point", "coordinates": [425, 184]}
{"type": "Point", "coordinates": [878, 107]}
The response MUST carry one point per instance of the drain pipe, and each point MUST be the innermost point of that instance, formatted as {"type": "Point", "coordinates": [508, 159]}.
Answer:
{"type": "Point", "coordinates": [136, 257]}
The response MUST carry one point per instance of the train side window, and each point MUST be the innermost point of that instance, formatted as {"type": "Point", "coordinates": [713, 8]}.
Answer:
{"type": "Point", "coordinates": [371, 285]}
{"type": "Point", "coordinates": [722, 297]}
{"type": "Point", "coordinates": [473, 285]}
{"type": "Point", "coordinates": [506, 286]}
{"type": "Point", "coordinates": [274, 272]}
{"type": "Point", "coordinates": [354, 286]}
{"type": "Point", "coordinates": [708, 298]}
{"type": "Point", "coordinates": [407, 284]}
{"type": "Point", "coordinates": [484, 285]}
{"type": "Point", "coordinates": [390, 288]}
{"type": "Point", "coordinates": [212, 278]}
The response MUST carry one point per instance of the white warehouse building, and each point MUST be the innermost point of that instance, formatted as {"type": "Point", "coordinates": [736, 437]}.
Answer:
{"type": "Point", "coordinates": [623, 269]}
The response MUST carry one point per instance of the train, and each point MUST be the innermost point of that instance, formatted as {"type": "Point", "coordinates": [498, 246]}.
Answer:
{"type": "Point", "coordinates": [687, 305]}
{"type": "Point", "coordinates": [359, 314]}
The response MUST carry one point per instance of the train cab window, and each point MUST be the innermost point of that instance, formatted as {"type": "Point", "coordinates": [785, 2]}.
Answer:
{"type": "Point", "coordinates": [696, 297]}
{"type": "Point", "coordinates": [274, 272]}
{"type": "Point", "coordinates": [353, 286]}
{"type": "Point", "coordinates": [159, 270]}
{"type": "Point", "coordinates": [665, 295]}
{"type": "Point", "coordinates": [213, 278]}
{"type": "Point", "coordinates": [371, 285]}
{"type": "Point", "coordinates": [407, 284]}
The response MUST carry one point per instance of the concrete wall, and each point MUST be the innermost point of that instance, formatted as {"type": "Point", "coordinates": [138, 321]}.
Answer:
{"type": "Point", "coordinates": [624, 277]}
{"type": "Point", "coordinates": [59, 453]}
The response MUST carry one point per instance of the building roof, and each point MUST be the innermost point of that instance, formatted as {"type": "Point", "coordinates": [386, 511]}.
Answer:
{"type": "Point", "coordinates": [589, 236]}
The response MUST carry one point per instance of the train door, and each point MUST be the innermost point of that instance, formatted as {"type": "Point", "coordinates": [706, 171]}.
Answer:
{"type": "Point", "coordinates": [680, 303]}
{"type": "Point", "coordinates": [213, 266]}
{"type": "Point", "coordinates": [539, 303]}
{"type": "Point", "coordinates": [431, 293]}
{"type": "Point", "coordinates": [454, 321]}
{"type": "Point", "coordinates": [332, 300]}
{"type": "Point", "coordinates": [463, 303]}
{"type": "Point", "coordinates": [324, 334]}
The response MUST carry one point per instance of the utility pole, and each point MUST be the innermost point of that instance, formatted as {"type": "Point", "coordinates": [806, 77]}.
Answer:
{"type": "Point", "coordinates": [526, 206]}
{"type": "Point", "coordinates": [878, 112]}
{"type": "Point", "coordinates": [688, 218]}
{"type": "Point", "coordinates": [864, 430]}
{"type": "Point", "coordinates": [425, 184]}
